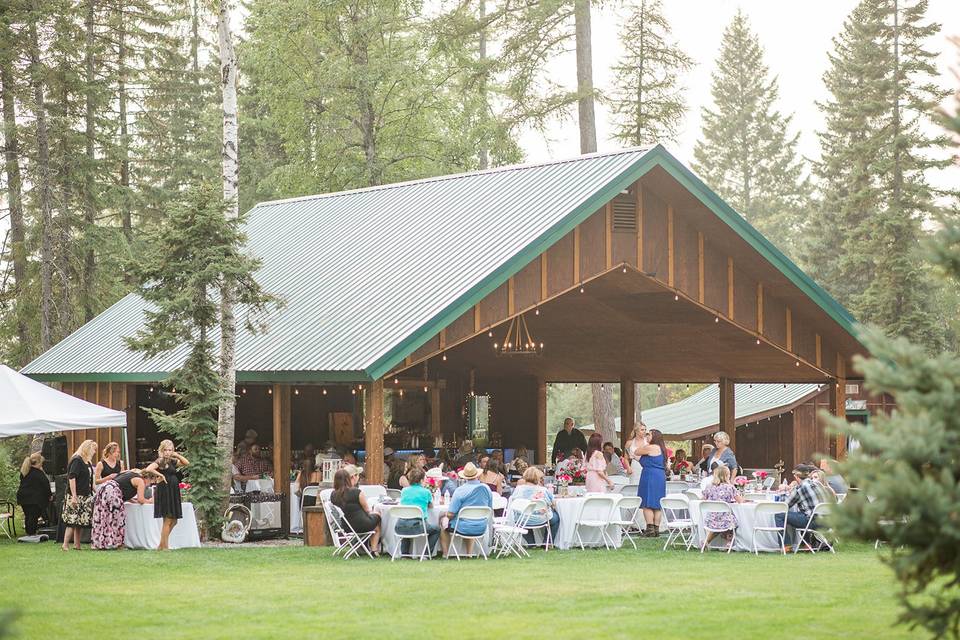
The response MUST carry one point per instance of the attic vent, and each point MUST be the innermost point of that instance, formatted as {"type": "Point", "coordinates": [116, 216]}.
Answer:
{"type": "Point", "coordinates": [624, 214]}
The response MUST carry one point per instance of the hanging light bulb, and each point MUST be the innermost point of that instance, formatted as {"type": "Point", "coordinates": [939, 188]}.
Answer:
{"type": "Point", "coordinates": [444, 357]}
{"type": "Point", "coordinates": [658, 386]}
{"type": "Point", "coordinates": [296, 392]}
{"type": "Point", "coordinates": [536, 311]}
{"type": "Point", "coordinates": [401, 393]}
{"type": "Point", "coordinates": [602, 386]}
{"type": "Point", "coordinates": [676, 297]}
{"type": "Point", "coordinates": [353, 391]}
{"type": "Point", "coordinates": [581, 288]}
{"type": "Point", "coordinates": [798, 363]}
{"type": "Point", "coordinates": [495, 345]}
{"type": "Point", "coordinates": [758, 340]}
{"type": "Point", "coordinates": [424, 388]}
{"type": "Point", "coordinates": [489, 334]}
{"type": "Point", "coordinates": [576, 385]}
{"type": "Point", "coordinates": [396, 381]}
{"type": "Point", "coordinates": [269, 391]}
{"type": "Point", "coordinates": [324, 391]}
{"type": "Point", "coordinates": [624, 268]}
{"type": "Point", "coordinates": [716, 318]}
{"type": "Point", "coordinates": [243, 391]}
{"type": "Point", "coordinates": [151, 389]}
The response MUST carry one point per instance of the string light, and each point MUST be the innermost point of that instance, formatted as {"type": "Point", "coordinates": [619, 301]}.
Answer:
{"type": "Point", "coordinates": [489, 334]}
{"type": "Point", "coordinates": [758, 340]}
{"type": "Point", "coordinates": [602, 386]}
{"type": "Point", "coordinates": [797, 363]}
{"type": "Point", "coordinates": [151, 389]}
{"type": "Point", "coordinates": [269, 391]}
{"type": "Point", "coordinates": [296, 392]}
{"type": "Point", "coordinates": [716, 318]}
{"type": "Point", "coordinates": [581, 288]}
{"type": "Point", "coordinates": [658, 385]}
{"type": "Point", "coordinates": [576, 385]}
{"type": "Point", "coordinates": [495, 346]}
{"type": "Point", "coordinates": [424, 388]}
{"type": "Point", "coordinates": [624, 268]}
{"type": "Point", "coordinates": [444, 357]}
{"type": "Point", "coordinates": [536, 311]}
{"type": "Point", "coordinates": [401, 393]}
{"type": "Point", "coordinates": [243, 391]}
{"type": "Point", "coordinates": [353, 391]}
{"type": "Point", "coordinates": [324, 391]}
{"type": "Point", "coordinates": [396, 381]}
{"type": "Point", "coordinates": [676, 297]}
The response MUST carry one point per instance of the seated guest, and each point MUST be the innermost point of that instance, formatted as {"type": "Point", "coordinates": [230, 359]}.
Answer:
{"type": "Point", "coordinates": [490, 476]}
{"type": "Point", "coordinates": [722, 490]}
{"type": "Point", "coordinates": [250, 466]}
{"type": "Point", "coordinates": [387, 461]}
{"type": "Point", "coordinates": [612, 458]}
{"type": "Point", "coordinates": [396, 472]}
{"type": "Point", "coordinates": [465, 454]}
{"type": "Point", "coordinates": [520, 462]}
{"type": "Point", "coordinates": [705, 452]}
{"type": "Point", "coordinates": [418, 495]}
{"type": "Point", "coordinates": [680, 463]}
{"type": "Point", "coordinates": [437, 479]}
{"type": "Point", "coordinates": [349, 458]}
{"type": "Point", "coordinates": [354, 505]}
{"type": "Point", "coordinates": [308, 476]}
{"type": "Point", "coordinates": [250, 438]}
{"type": "Point", "coordinates": [805, 495]}
{"type": "Point", "coordinates": [531, 488]}
{"type": "Point", "coordinates": [33, 495]}
{"type": "Point", "coordinates": [834, 480]}
{"type": "Point", "coordinates": [471, 493]}
{"type": "Point", "coordinates": [415, 461]}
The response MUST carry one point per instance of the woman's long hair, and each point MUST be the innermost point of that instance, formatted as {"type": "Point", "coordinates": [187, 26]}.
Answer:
{"type": "Point", "coordinates": [309, 466]}
{"type": "Point", "coordinates": [87, 451]}
{"type": "Point", "coordinates": [595, 443]}
{"type": "Point", "coordinates": [107, 450]}
{"type": "Point", "coordinates": [656, 437]}
{"type": "Point", "coordinates": [341, 484]}
{"type": "Point", "coordinates": [32, 460]}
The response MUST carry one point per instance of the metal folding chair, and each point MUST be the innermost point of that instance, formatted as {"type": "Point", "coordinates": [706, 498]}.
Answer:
{"type": "Point", "coordinates": [508, 534]}
{"type": "Point", "coordinates": [678, 522]}
{"type": "Point", "coordinates": [628, 509]}
{"type": "Point", "coordinates": [409, 512]}
{"type": "Point", "coordinates": [822, 510]}
{"type": "Point", "coordinates": [715, 506]}
{"type": "Point", "coordinates": [601, 509]}
{"type": "Point", "coordinates": [769, 511]}
{"type": "Point", "coordinates": [344, 537]}
{"type": "Point", "coordinates": [471, 513]}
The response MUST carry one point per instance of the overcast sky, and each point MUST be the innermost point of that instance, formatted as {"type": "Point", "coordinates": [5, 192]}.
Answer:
{"type": "Point", "coordinates": [796, 37]}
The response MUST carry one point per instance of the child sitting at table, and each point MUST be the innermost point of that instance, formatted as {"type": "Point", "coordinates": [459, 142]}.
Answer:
{"type": "Point", "coordinates": [417, 495]}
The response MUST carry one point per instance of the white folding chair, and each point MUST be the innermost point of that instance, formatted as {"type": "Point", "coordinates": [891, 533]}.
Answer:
{"type": "Point", "coordinates": [508, 533]}
{"type": "Point", "coordinates": [471, 513]}
{"type": "Point", "coordinates": [715, 506]}
{"type": "Point", "coordinates": [312, 490]}
{"type": "Point", "coordinates": [676, 487]}
{"type": "Point", "coordinates": [690, 494]}
{"type": "Point", "coordinates": [819, 536]}
{"type": "Point", "coordinates": [393, 493]}
{"type": "Point", "coordinates": [344, 537]}
{"type": "Point", "coordinates": [629, 490]}
{"type": "Point", "coordinates": [767, 511]}
{"type": "Point", "coordinates": [595, 513]}
{"type": "Point", "coordinates": [677, 522]}
{"type": "Point", "coordinates": [412, 512]}
{"type": "Point", "coordinates": [538, 506]}
{"type": "Point", "coordinates": [372, 490]}
{"type": "Point", "coordinates": [625, 516]}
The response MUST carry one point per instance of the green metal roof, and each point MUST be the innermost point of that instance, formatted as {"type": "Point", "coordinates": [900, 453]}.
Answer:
{"type": "Point", "coordinates": [369, 275]}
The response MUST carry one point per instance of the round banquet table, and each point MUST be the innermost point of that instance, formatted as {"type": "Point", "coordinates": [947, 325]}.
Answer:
{"type": "Point", "coordinates": [569, 510]}
{"type": "Point", "coordinates": [746, 513]}
{"type": "Point", "coordinates": [143, 530]}
{"type": "Point", "coordinates": [388, 538]}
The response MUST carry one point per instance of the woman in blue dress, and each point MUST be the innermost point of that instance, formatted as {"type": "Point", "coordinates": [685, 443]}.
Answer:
{"type": "Point", "coordinates": [653, 480]}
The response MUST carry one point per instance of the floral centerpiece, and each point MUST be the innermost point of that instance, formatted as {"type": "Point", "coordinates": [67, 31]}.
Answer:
{"type": "Point", "coordinates": [759, 477]}
{"type": "Point", "coordinates": [185, 491]}
{"type": "Point", "coordinates": [740, 482]}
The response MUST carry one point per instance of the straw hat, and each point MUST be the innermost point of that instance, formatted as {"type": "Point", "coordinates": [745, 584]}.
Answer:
{"type": "Point", "coordinates": [352, 469]}
{"type": "Point", "coordinates": [469, 472]}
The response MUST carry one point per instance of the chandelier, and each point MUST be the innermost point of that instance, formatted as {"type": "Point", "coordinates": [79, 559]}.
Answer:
{"type": "Point", "coordinates": [518, 341]}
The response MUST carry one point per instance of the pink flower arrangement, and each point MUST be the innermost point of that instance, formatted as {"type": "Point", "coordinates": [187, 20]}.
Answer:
{"type": "Point", "coordinates": [740, 481]}
{"type": "Point", "coordinates": [185, 485]}
{"type": "Point", "coordinates": [760, 475]}
{"type": "Point", "coordinates": [564, 477]}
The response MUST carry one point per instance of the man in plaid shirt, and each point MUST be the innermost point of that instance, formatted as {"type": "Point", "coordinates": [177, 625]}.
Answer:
{"type": "Point", "coordinates": [805, 496]}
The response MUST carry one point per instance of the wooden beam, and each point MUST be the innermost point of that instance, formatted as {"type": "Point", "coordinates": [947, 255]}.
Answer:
{"type": "Point", "coordinates": [838, 407]}
{"type": "Point", "coordinates": [543, 276]}
{"type": "Point", "coordinates": [639, 204]}
{"type": "Point", "coordinates": [281, 449]}
{"type": "Point", "coordinates": [476, 318]}
{"type": "Point", "coordinates": [576, 255]}
{"type": "Point", "coordinates": [728, 412]}
{"type": "Point", "coordinates": [700, 296]}
{"type": "Point", "coordinates": [628, 402]}
{"type": "Point", "coordinates": [730, 288]}
{"type": "Point", "coordinates": [670, 249]}
{"type": "Point", "coordinates": [510, 297]}
{"type": "Point", "coordinates": [819, 347]}
{"type": "Point", "coordinates": [443, 334]}
{"type": "Point", "coordinates": [760, 308]}
{"type": "Point", "coordinates": [608, 235]}
{"type": "Point", "coordinates": [373, 431]}
{"type": "Point", "coordinates": [541, 454]}
{"type": "Point", "coordinates": [789, 330]}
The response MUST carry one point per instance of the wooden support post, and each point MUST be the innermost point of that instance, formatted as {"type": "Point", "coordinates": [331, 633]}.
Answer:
{"type": "Point", "coordinates": [511, 299]}
{"type": "Point", "coordinates": [476, 318]}
{"type": "Point", "coordinates": [373, 431]}
{"type": "Point", "coordinates": [819, 351]}
{"type": "Point", "coordinates": [670, 250]}
{"type": "Point", "coordinates": [628, 402]}
{"type": "Point", "coordinates": [730, 306]}
{"type": "Point", "coordinates": [789, 330]}
{"type": "Point", "coordinates": [543, 276]}
{"type": "Point", "coordinates": [281, 450]}
{"type": "Point", "coordinates": [728, 412]}
{"type": "Point", "coordinates": [576, 254]}
{"type": "Point", "coordinates": [434, 411]}
{"type": "Point", "coordinates": [608, 236]}
{"type": "Point", "coordinates": [700, 288]}
{"type": "Point", "coordinates": [838, 407]}
{"type": "Point", "coordinates": [760, 308]}
{"type": "Point", "coordinates": [639, 228]}
{"type": "Point", "coordinates": [541, 455]}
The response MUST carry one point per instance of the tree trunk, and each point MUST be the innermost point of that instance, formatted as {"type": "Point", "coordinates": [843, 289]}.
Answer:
{"type": "Point", "coordinates": [195, 39]}
{"type": "Point", "coordinates": [484, 159]}
{"type": "Point", "coordinates": [43, 185]}
{"type": "Point", "coordinates": [89, 205]}
{"type": "Point", "coordinates": [637, 406]}
{"type": "Point", "coordinates": [125, 215]}
{"type": "Point", "coordinates": [604, 413]}
{"type": "Point", "coordinates": [588, 119]}
{"type": "Point", "coordinates": [11, 152]}
{"type": "Point", "coordinates": [231, 176]}
{"type": "Point", "coordinates": [638, 140]}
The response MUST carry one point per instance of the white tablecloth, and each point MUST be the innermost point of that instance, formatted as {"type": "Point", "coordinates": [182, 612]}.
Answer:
{"type": "Point", "coordinates": [746, 513]}
{"type": "Point", "coordinates": [569, 510]}
{"type": "Point", "coordinates": [388, 538]}
{"type": "Point", "coordinates": [296, 521]}
{"type": "Point", "coordinates": [143, 530]}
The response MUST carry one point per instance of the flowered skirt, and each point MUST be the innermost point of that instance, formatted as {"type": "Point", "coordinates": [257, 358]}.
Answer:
{"type": "Point", "coordinates": [78, 514]}
{"type": "Point", "coordinates": [108, 517]}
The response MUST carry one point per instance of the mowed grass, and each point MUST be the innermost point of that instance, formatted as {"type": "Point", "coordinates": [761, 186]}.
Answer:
{"type": "Point", "coordinates": [299, 592]}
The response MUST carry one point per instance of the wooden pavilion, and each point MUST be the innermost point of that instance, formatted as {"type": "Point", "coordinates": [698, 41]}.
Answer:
{"type": "Point", "coordinates": [616, 267]}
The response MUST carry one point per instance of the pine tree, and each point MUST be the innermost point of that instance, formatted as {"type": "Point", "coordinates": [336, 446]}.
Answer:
{"type": "Point", "coordinates": [192, 253]}
{"type": "Point", "coordinates": [864, 240]}
{"type": "Point", "coordinates": [745, 152]}
{"type": "Point", "coordinates": [647, 102]}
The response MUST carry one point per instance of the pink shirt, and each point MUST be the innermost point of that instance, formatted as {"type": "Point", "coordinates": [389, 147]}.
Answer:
{"type": "Point", "coordinates": [594, 467]}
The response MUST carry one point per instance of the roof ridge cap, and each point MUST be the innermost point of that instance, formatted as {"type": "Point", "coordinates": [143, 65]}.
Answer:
{"type": "Point", "coordinates": [455, 176]}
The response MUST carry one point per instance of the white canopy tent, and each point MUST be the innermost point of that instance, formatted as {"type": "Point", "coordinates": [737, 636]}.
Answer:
{"type": "Point", "coordinates": [30, 407]}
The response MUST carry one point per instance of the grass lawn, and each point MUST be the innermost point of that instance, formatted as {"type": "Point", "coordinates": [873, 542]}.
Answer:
{"type": "Point", "coordinates": [298, 592]}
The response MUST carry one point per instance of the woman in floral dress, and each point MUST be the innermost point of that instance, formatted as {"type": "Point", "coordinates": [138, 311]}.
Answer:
{"type": "Point", "coordinates": [722, 491]}
{"type": "Point", "coordinates": [109, 518]}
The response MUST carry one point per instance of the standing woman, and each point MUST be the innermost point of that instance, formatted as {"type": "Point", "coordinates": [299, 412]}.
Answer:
{"type": "Point", "coordinates": [722, 453]}
{"type": "Point", "coordinates": [78, 504]}
{"type": "Point", "coordinates": [110, 466]}
{"type": "Point", "coordinates": [636, 439]}
{"type": "Point", "coordinates": [596, 467]}
{"type": "Point", "coordinates": [34, 494]}
{"type": "Point", "coordinates": [653, 481]}
{"type": "Point", "coordinates": [166, 502]}
{"type": "Point", "coordinates": [109, 518]}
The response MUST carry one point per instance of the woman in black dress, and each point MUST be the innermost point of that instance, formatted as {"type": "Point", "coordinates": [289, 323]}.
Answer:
{"type": "Point", "coordinates": [34, 493]}
{"type": "Point", "coordinates": [166, 501]}
{"type": "Point", "coordinates": [354, 505]}
{"type": "Point", "coordinates": [78, 503]}
{"type": "Point", "coordinates": [110, 465]}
